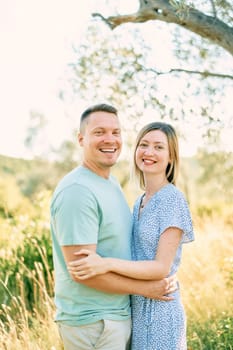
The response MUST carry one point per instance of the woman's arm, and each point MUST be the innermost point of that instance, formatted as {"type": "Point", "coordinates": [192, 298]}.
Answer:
{"type": "Point", "coordinates": [159, 268]}
{"type": "Point", "coordinates": [118, 284]}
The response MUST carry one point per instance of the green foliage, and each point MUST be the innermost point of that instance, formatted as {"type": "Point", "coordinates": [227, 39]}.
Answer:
{"type": "Point", "coordinates": [21, 179]}
{"type": "Point", "coordinates": [26, 255]}
{"type": "Point", "coordinates": [35, 133]}
{"type": "Point", "coordinates": [26, 275]}
{"type": "Point", "coordinates": [131, 75]}
{"type": "Point", "coordinates": [20, 170]}
{"type": "Point", "coordinates": [12, 201]}
{"type": "Point", "coordinates": [20, 272]}
{"type": "Point", "coordinates": [215, 333]}
{"type": "Point", "coordinates": [216, 172]}
{"type": "Point", "coordinates": [26, 280]}
{"type": "Point", "coordinates": [214, 208]}
{"type": "Point", "coordinates": [108, 68]}
{"type": "Point", "coordinates": [43, 176]}
{"type": "Point", "coordinates": [14, 166]}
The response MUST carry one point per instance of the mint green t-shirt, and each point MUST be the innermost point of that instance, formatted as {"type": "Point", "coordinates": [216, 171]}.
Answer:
{"type": "Point", "coordinates": [88, 209]}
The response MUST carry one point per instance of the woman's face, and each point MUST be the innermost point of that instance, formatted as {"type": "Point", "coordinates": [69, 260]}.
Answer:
{"type": "Point", "coordinates": [152, 154]}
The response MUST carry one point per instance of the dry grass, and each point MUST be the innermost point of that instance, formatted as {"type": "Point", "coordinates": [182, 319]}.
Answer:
{"type": "Point", "coordinates": [23, 330]}
{"type": "Point", "coordinates": [206, 272]}
{"type": "Point", "coordinates": [206, 278]}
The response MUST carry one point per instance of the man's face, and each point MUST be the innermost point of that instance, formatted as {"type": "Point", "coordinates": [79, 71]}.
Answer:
{"type": "Point", "coordinates": [101, 141]}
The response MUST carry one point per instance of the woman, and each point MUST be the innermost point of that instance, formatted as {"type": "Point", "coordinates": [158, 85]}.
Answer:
{"type": "Point", "coordinates": [162, 223]}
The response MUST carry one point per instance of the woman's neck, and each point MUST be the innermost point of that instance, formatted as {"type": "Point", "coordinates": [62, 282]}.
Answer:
{"type": "Point", "coordinates": [153, 185]}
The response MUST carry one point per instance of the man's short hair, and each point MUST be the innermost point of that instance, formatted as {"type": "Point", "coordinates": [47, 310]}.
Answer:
{"type": "Point", "coordinates": [101, 107]}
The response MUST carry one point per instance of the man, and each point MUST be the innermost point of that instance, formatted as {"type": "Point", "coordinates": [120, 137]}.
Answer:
{"type": "Point", "coordinates": [89, 210]}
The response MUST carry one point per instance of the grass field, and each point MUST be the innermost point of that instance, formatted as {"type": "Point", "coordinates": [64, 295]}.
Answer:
{"type": "Point", "coordinates": [26, 284]}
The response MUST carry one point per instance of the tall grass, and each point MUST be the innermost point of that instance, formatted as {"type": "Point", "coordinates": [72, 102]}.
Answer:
{"type": "Point", "coordinates": [206, 277]}
{"type": "Point", "coordinates": [26, 284]}
{"type": "Point", "coordinates": [25, 322]}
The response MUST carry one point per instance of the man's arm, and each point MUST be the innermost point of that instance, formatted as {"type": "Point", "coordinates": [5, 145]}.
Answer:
{"type": "Point", "coordinates": [114, 283]}
{"type": "Point", "coordinates": [155, 269]}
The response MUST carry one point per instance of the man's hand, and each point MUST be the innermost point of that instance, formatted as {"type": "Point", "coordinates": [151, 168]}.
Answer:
{"type": "Point", "coordinates": [160, 290]}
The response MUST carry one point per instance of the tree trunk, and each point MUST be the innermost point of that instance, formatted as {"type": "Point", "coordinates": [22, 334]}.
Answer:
{"type": "Point", "coordinates": [209, 27]}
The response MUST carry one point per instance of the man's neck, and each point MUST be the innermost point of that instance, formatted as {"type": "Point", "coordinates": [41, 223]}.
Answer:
{"type": "Point", "coordinates": [105, 173]}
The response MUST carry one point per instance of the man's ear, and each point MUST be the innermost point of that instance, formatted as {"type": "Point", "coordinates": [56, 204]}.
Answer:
{"type": "Point", "coordinates": [80, 139]}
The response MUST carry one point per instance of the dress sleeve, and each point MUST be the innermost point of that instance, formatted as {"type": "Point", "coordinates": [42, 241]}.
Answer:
{"type": "Point", "coordinates": [76, 216]}
{"type": "Point", "coordinates": [174, 212]}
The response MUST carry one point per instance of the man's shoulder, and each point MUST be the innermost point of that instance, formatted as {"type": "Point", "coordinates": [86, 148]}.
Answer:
{"type": "Point", "coordinates": [68, 181]}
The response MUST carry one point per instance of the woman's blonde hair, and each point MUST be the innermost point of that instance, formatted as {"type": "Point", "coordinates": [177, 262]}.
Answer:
{"type": "Point", "coordinates": [173, 147]}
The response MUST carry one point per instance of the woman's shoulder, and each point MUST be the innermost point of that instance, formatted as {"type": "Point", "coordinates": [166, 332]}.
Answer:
{"type": "Point", "coordinates": [171, 192]}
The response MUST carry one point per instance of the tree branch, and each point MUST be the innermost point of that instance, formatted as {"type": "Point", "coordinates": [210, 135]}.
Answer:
{"type": "Point", "coordinates": [204, 74]}
{"type": "Point", "coordinates": [213, 8]}
{"type": "Point", "coordinates": [209, 27]}
{"type": "Point", "coordinates": [104, 20]}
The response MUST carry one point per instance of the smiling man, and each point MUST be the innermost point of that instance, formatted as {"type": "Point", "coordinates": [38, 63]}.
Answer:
{"type": "Point", "coordinates": [89, 210]}
{"type": "Point", "coordinates": [100, 137]}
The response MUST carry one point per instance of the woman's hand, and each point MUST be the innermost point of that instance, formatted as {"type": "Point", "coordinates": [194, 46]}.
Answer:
{"type": "Point", "coordinates": [89, 266]}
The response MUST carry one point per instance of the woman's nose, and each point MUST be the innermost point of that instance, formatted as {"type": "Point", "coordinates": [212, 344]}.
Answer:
{"type": "Point", "coordinates": [149, 151]}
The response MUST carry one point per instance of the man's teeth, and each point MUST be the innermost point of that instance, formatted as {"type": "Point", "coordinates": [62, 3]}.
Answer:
{"type": "Point", "coordinates": [108, 150]}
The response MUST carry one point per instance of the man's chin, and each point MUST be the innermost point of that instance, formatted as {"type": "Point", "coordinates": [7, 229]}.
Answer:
{"type": "Point", "coordinates": [110, 163]}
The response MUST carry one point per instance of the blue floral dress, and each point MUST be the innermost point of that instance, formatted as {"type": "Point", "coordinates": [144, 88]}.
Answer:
{"type": "Point", "coordinates": [159, 325]}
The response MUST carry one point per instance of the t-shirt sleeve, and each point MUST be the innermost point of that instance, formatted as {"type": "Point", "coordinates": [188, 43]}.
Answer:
{"type": "Point", "coordinates": [175, 213]}
{"type": "Point", "coordinates": [76, 216]}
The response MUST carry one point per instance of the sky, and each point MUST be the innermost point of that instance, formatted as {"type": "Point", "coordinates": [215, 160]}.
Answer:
{"type": "Point", "coordinates": [36, 39]}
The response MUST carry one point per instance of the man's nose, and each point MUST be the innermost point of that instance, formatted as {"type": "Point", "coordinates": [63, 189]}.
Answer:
{"type": "Point", "coordinates": [109, 137]}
